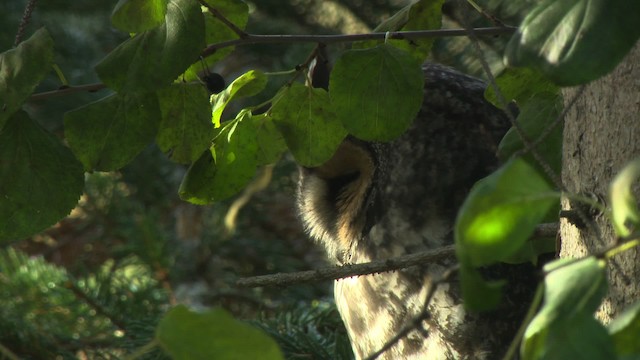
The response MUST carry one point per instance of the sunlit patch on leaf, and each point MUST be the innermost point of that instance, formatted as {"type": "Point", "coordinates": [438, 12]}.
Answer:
{"type": "Point", "coordinates": [501, 212]}
{"type": "Point", "coordinates": [248, 84]}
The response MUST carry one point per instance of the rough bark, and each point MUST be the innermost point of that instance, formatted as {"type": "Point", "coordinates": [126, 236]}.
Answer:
{"type": "Point", "coordinates": [602, 134]}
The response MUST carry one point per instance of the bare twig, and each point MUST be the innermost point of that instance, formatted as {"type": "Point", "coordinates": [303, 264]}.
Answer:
{"type": "Point", "coordinates": [218, 15]}
{"type": "Point", "coordinates": [67, 90]}
{"type": "Point", "coordinates": [26, 17]}
{"type": "Point", "coordinates": [250, 39]}
{"type": "Point", "coordinates": [416, 323]}
{"type": "Point", "coordinates": [330, 273]}
{"type": "Point", "coordinates": [376, 266]}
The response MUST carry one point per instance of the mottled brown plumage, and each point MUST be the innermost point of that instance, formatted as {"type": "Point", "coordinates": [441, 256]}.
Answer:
{"type": "Point", "coordinates": [381, 200]}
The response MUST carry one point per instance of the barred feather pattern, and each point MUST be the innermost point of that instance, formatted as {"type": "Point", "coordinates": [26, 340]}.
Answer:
{"type": "Point", "coordinates": [380, 200]}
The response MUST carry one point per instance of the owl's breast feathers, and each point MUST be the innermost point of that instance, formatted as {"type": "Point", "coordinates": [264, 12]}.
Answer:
{"type": "Point", "coordinates": [380, 200]}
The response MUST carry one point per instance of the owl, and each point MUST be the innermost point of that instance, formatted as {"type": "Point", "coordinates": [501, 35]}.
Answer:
{"type": "Point", "coordinates": [374, 201]}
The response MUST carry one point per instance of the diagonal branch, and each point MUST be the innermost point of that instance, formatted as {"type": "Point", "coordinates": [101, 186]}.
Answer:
{"type": "Point", "coordinates": [376, 266]}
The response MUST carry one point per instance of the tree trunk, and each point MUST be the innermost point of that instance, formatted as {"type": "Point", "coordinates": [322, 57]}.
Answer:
{"type": "Point", "coordinates": [602, 134]}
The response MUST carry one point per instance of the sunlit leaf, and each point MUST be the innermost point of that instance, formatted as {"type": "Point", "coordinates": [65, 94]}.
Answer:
{"type": "Point", "coordinates": [135, 16]}
{"type": "Point", "coordinates": [624, 205]}
{"type": "Point", "coordinates": [376, 92]}
{"type": "Point", "coordinates": [107, 134]}
{"type": "Point", "coordinates": [565, 328]}
{"type": "Point", "coordinates": [154, 58]}
{"type": "Point", "coordinates": [21, 69]}
{"type": "Point", "coordinates": [248, 84]}
{"type": "Point", "coordinates": [185, 130]}
{"type": "Point", "coordinates": [575, 41]}
{"type": "Point", "coordinates": [624, 330]}
{"type": "Point", "coordinates": [214, 334]}
{"type": "Point", "coordinates": [308, 124]}
{"type": "Point", "coordinates": [501, 212]}
{"type": "Point", "coordinates": [227, 167]}
{"type": "Point", "coordinates": [40, 179]}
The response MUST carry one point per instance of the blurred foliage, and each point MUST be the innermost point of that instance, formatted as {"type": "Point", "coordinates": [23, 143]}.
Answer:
{"type": "Point", "coordinates": [95, 284]}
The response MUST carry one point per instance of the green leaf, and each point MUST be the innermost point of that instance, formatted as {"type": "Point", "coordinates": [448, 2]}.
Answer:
{"type": "Point", "coordinates": [134, 16]}
{"type": "Point", "coordinates": [41, 180]}
{"type": "Point", "coordinates": [304, 116]}
{"type": "Point", "coordinates": [185, 130]}
{"type": "Point", "coordinates": [575, 41]}
{"type": "Point", "coordinates": [624, 330]}
{"type": "Point", "coordinates": [107, 134]}
{"type": "Point", "coordinates": [271, 144]}
{"type": "Point", "coordinates": [536, 116]}
{"type": "Point", "coordinates": [624, 206]}
{"type": "Point", "coordinates": [521, 85]}
{"type": "Point", "coordinates": [248, 84]}
{"type": "Point", "coordinates": [235, 11]}
{"type": "Point", "coordinates": [376, 92]}
{"type": "Point", "coordinates": [565, 328]}
{"type": "Point", "coordinates": [420, 15]}
{"type": "Point", "coordinates": [21, 69]}
{"type": "Point", "coordinates": [478, 294]}
{"type": "Point", "coordinates": [501, 212]}
{"type": "Point", "coordinates": [154, 58]}
{"type": "Point", "coordinates": [227, 167]}
{"type": "Point", "coordinates": [214, 334]}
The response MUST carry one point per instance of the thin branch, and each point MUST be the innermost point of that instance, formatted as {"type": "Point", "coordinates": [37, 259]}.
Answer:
{"type": "Point", "coordinates": [26, 17]}
{"type": "Point", "coordinates": [5, 352]}
{"type": "Point", "coordinates": [218, 15]}
{"type": "Point", "coordinates": [376, 266]}
{"type": "Point", "coordinates": [250, 39]}
{"type": "Point", "coordinates": [67, 90]}
{"type": "Point", "coordinates": [330, 273]}
{"type": "Point", "coordinates": [416, 323]}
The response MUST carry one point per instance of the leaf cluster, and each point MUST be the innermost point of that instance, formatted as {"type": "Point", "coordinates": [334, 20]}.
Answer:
{"type": "Point", "coordinates": [375, 91]}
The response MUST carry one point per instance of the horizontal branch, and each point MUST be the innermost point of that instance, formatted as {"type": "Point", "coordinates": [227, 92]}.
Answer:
{"type": "Point", "coordinates": [251, 39]}
{"type": "Point", "coordinates": [376, 266]}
